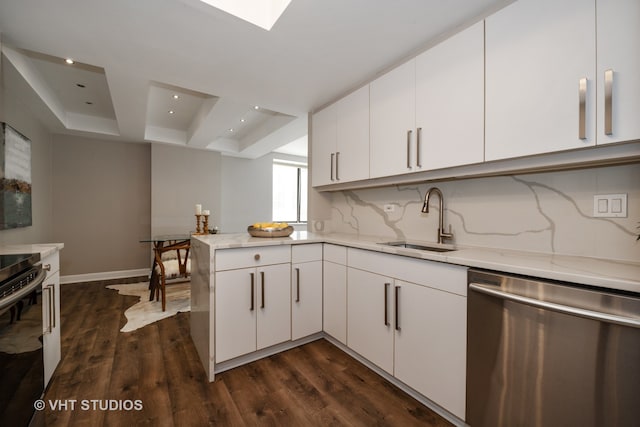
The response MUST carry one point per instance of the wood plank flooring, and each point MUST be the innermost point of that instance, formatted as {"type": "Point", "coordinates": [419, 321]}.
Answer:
{"type": "Point", "coordinates": [313, 385]}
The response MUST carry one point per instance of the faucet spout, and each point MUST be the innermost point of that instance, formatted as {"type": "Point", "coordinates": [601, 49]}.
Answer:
{"type": "Point", "coordinates": [425, 209]}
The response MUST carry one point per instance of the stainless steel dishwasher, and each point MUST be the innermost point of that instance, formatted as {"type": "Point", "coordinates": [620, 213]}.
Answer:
{"type": "Point", "coordinates": [542, 353]}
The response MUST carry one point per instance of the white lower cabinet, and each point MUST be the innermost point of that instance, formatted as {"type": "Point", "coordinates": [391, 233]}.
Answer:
{"type": "Point", "coordinates": [51, 315]}
{"type": "Point", "coordinates": [335, 292]}
{"type": "Point", "coordinates": [430, 344]}
{"type": "Point", "coordinates": [253, 309]}
{"type": "Point", "coordinates": [370, 326]}
{"type": "Point", "coordinates": [414, 331]}
{"type": "Point", "coordinates": [306, 290]}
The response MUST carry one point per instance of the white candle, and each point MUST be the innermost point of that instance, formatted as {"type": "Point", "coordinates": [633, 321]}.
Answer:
{"type": "Point", "coordinates": [198, 209]}
{"type": "Point", "coordinates": [205, 212]}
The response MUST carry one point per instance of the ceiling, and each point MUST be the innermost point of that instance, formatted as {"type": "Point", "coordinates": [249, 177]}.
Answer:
{"type": "Point", "coordinates": [230, 86]}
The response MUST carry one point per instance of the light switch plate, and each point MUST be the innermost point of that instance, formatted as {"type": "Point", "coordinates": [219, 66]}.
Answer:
{"type": "Point", "coordinates": [610, 206]}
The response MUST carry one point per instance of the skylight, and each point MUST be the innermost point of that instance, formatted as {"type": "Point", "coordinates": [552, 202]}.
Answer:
{"type": "Point", "coordinates": [263, 13]}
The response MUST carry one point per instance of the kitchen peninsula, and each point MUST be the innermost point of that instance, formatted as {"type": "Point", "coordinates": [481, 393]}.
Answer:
{"type": "Point", "coordinates": [253, 267]}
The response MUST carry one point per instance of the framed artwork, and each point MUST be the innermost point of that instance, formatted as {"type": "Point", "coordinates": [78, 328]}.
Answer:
{"type": "Point", "coordinates": [15, 178]}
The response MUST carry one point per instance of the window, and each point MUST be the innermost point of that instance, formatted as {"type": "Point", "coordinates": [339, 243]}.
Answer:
{"type": "Point", "coordinates": [289, 191]}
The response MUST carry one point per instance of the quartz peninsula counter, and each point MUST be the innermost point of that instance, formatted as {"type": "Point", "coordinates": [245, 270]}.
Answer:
{"type": "Point", "coordinates": [207, 251]}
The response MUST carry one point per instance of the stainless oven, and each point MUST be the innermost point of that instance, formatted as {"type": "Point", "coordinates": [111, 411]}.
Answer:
{"type": "Point", "coordinates": [21, 331]}
{"type": "Point", "coordinates": [542, 353]}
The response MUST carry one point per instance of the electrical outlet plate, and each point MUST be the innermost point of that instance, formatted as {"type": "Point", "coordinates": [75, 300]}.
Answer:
{"type": "Point", "coordinates": [610, 206]}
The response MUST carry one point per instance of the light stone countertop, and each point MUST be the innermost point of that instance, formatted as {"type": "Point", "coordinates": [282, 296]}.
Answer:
{"type": "Point", "coordinates": [44, 249]}
{"type": "Point", "coordinates": [612, 274]}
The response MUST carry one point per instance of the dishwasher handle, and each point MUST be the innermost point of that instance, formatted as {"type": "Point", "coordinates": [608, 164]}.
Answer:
{"type": "Point", "coordinates": [574, 311]}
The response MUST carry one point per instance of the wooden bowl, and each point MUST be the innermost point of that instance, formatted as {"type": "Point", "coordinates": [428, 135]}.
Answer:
{"type": "Point", "coordinates": [270, 232]}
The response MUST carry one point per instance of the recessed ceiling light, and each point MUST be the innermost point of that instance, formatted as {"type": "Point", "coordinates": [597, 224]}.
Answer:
{"type": "Point", "coordinates": [80, 85]}
{"type": "Point", "coordinates": [69, 61]}
{"type": "Point", "coordinates": [256, 107]}
{"type": "Point", "coordinates": [176, 96]}
{"type": "Point", "coordinates": [230, 129]}
{"type": "Point", "coordinates": [171, 112]}
{"type": "Point", "coordinates": [242, 120]}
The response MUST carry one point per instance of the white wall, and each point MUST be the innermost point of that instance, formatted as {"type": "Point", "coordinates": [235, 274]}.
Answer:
{"type": "Point", "coordinates": [181, 178]}
{"type": "Point", "coordinates": [546, 212]}
{"type": "Point", "coordinates": [247, 193]}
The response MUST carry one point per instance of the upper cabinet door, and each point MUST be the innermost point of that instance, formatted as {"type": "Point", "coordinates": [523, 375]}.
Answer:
{"type": "Point", "coordinates": [323, 146]}
{"type": "Point", "coordinates": [450, 101]}
{"type": "Point", "coordinates": [352, 148]}
{"type": "Point", "coordinates": [393, 122]}
{"type": "Point", "coordinates": [618, 23]}
{"type": "Point", "coordinates": [540, 78]}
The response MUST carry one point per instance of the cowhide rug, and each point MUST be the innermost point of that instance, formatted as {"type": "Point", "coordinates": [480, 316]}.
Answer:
{"type": "Point", "coordinates": [145, 312]}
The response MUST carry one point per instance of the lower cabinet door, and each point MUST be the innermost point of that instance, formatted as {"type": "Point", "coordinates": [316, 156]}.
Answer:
{"type": "Point", "coordinates": [51, 317]}
{"type": "Point", "coordinates": [236, 312]}
{"type": "Point", "coordinates": [274, 305]}
{"type": "Point", "coordinates": [334, 292]}
{"type": "Point", "coordinates": [430, 346]}
{"type": "Point", "coordinates": [370, 314]}
{"type": "Point", "coordinates": [306, 299]}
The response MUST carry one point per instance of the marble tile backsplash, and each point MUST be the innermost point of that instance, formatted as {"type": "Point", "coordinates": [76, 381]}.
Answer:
{"type": "Point", "coordinates": [545, 212]}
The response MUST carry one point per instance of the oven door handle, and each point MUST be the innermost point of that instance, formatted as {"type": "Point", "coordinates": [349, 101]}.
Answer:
{"type": "Point", "coordinates": [18, 295]}
{"type": "Point", "coordinates": [560, 308]}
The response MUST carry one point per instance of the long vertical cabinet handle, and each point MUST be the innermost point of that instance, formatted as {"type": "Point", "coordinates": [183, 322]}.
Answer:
{"type": "Point", "coordinates": [48, 328]}
{"type": "Point", "coordinates": [386, 303]}
{"type": "Point", "coordinates": [332, 160]}
{"type": "Point", "coordinates": [582, 108]}
{"type": "Point", "coordinates": [262, 289]}
{"type": "Point", "coordinates": [253, 291]}
{"type": "Point", "coordinates": [53, 305]}
{"type": "Point", "coordinates": [409, 132]}
{"type": "Point", "coordinates": [397, 306]}
{"type": "Point", "coordinates": [297, 285]}
{"type": "Point", "coordinates": [337, 166]}
{"type": "Point", "coordinates": [418, 141]}
{"type": "Point", "coordinates": [608, 102]}
{"type": "Point", "coordinates": [50, 288]}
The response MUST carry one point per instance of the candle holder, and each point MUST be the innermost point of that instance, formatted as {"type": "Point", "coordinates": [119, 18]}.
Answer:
{"type": "Point", "coordinates": [205, 225]}
{"type": "Point", "coordinates": [198, 230]}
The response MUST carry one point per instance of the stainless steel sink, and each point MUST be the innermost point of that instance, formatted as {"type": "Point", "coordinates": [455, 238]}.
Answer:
{"type": "Point", "coordinates": [421, 246]}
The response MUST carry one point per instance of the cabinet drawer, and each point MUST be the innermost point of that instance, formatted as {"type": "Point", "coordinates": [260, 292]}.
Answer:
{"type": "Point", "coordinates": [52, 260]}
{"type": "Point", "coordinates": [335, 253]}
{"type": "Point", "coordinates": [306, 253]}
{"type": "Point", "coordinates": [229, 259]}
{"type": "Point", "coordinates": [437, 275]}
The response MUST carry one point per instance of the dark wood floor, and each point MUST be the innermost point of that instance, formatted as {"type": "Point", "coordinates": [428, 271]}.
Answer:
{"type": "Point", "coordinates": [316, 384]}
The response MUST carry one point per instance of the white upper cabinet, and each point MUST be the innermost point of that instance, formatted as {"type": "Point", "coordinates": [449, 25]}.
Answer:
{"type": "Point", "coordinates": [323, 145]}
{"type": "Point", "coordinates": [392, 115]}
{"type": "Point", "coordinates": [618, 23]}
{"type": "Point", "coordinates": [450, 101]}
{"type": "Point", "coordinates": [540, 78]}
{"type": "Point", "coordinates": [340, 140]}
{"type": "Point", "coordinates": [429, 112]}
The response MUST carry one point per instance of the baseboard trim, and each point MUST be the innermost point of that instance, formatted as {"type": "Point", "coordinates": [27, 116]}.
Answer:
{"type": "Point", "coordinates": [105, 275]}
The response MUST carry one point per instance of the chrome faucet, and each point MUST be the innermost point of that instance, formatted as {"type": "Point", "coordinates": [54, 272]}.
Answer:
{"type": "Point", "coordinates": [425, 209]}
